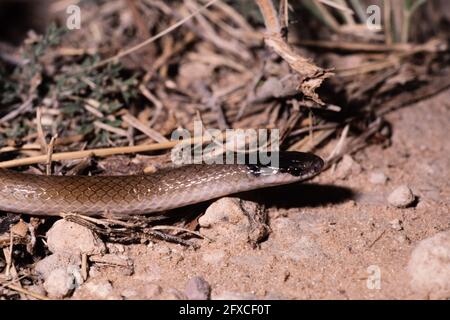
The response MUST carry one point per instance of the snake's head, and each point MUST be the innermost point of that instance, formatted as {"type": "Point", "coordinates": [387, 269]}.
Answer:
{"type": "Point", "coordinates": [292, 165]}
{"type": "Point", "coordinates": [300, 164]}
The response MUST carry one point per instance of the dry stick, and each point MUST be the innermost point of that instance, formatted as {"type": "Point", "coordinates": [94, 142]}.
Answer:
{"type": "Point", "coordinates": [27, 292]}
{"type": "Point", "coordinates": [135, 123]}
{"type": "Point", "coordinates": [107, 127]}
{"type": "Point", "coordinates": [269, 14]}
{"type": "Point", "coordinates": [84, 266]}
{"type": "Point", "coordinates": [359, 10]}
{"type": "Point", "coordinates": [101, 152]}
{"type": "Point", "coordinates": [388, 22]}
{"type": "Point", "coordinates": [372, 66]}
{"type": "Point", "coordinates": [18, 110]}
{"type": "Point", "coordinates": [8, 255]}
{"type": "Point", "coordinates": [311, 76]}
{"type": "Point", "coordinates": [346, 12]}
{"type": "Point", "coordinates": [355, 46]}
{"type": "Point", "coordinates": [340, 144]}
{"type": "Point", "coordinates": [209, 33]}
{"type": "Point", "coordinates": [306, 145]}
{"type": "Point", "coordinates": [163, 227]}
{"type": "Point", "coordinates": [25, 147]}
{"type": "Point", "coordinates": [167, 54]}
{"type": "Point", "coordinates": [342, 6]}
{"type": "Point", "coordinates": [138, 20]}
{"type": "Point", "coordinates": [284, 14]}
{"type": "Point", "coordinates": [327, 16]}
{"type": "Point", "coordinates": [152, 39]}
{"type": "Point", "coordinates": [356, 143]}
{"type": "Point", "coordinates": [438, 84]}
{"type": "Point", "coordinates": [50, 148]}
{"type": "Point", "coordinates": [153, 99]}
{"type": "Point", "coordinates": [40, 130]}
{"type": "Point", "coordinates": [235, 16]}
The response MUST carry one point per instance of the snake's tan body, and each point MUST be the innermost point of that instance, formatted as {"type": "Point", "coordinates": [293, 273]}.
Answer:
{"type": "Point", "coordinates": [139, 194]}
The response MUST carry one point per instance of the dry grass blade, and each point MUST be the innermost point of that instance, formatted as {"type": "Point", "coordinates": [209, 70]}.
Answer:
{"type": "Point", "coordinates": [135, 123]}
{"type": "Point", "coordinates": [152, 39]}
{"type": "Point", "coordinates": [101, 152]}
{"type": "Point", "coordinates": [340, 6]}
{"type": "Point", "coordinates": [25, 291]}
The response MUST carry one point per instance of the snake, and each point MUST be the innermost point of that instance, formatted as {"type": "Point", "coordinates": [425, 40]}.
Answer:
{"type": "Point", "coordinates": [163, 190]}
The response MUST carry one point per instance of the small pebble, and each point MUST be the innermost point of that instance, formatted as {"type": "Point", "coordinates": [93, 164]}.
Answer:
{"type": "Point", "coordinates": [377, 177]}
{"type": "Point", "coordinates": [401, 197]}
{"type": "Point", "coordinates": [213, 256]}
{"type": "Point", "coordinates": [72, 238]}
{"type": "Point", "coordinates": [222, 210]}
{"type": "Point", "coordinates": [115, 248]}
{"type": "Point", "coordinates": [99, 289]}
{"type": "Point", "coordinates": [60, 283]}
{"type": "Point", "coordinates": [197, 289]}
{"type": "Point", "coordinates": [225, 222]}
{"type": "Point", "coordinates": [429, 266]}
{"type": "Point", "coordinates": [152, 290]}
{"type": "Point", "coordinates": [347, 167]}
{"type": "Point", "coordinates": [396, 224]}
{"type": "Point", "coordinates": [56, 261]}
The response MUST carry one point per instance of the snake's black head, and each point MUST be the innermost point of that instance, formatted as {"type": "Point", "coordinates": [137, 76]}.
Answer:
{"type": "Point", "coordinates": [297, 164]}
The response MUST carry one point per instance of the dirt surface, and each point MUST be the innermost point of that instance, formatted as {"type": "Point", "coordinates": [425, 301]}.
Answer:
{"type": "Point", "coordinates": [325, 235]}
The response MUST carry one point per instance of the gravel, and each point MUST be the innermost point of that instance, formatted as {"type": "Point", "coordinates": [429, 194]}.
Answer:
{"type": "Point", "coordinates": [401, 197]}
{"type": "Point", "coordinates": [197, 289]}
{"type": "Point", "coordinates": [69, 237]}
{"type": "Point", "coordinates": [429, 266]}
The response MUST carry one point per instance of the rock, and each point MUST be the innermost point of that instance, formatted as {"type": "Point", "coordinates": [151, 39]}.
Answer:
{"type": "Point", "coordinates": [115, 248]}
{"type": "Point", "coordinates": [172, 294]}
{"type": "Point", "coordinates": [101, 289]}
{"type": "Point", "coordinates": [213, 256]}
{"type": "Point", "coordinates": [401, 197]}
{"type": "Point", "coordinates": [377, 177]}
{"type": "Point", "coordinates": [229, 295]}
{"type": "Point", "coordinates": [69, 237]}
{"type": "Point", "coordinates": [62, 281]}
{"type": "Point", "coordinates": [225, 221]}
{"type": "Point", "coordinates": [20, 229]}
{"type": "Point", "coordinates": [56, 261]}
{"type": "Point", "coordinates": [163, 250]}
{"type": "Point", "coordinates": [294, 240]}
{"type": "Point", "coordinates": [346, 167]}
{"type": "Point", "coordinates": [151, 291]}
{"type": "Point", "coordinates": [233, 221]}
{"type": "Point", "coordinates": [130, 294]}
{"type": "Point", "coordinates": [396, 224]}
{"type": "Point", "coordinates": [429, 266]}
{"type": "Point", "coordinates": [96, 289]}
{"type": "Point", "coordinates": [197, 289]}
{"type": "Point", "coordinates": [223, 210]}
{"type": "Point", "coordinates": [138, 290]}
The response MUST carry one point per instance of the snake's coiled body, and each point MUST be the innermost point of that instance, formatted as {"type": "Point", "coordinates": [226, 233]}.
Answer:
{"type": "Point", "coordinates": [140, 194]}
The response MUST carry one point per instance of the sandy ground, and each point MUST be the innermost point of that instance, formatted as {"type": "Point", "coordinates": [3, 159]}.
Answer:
{"type": "Point", "coordinates": [331, 238]}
